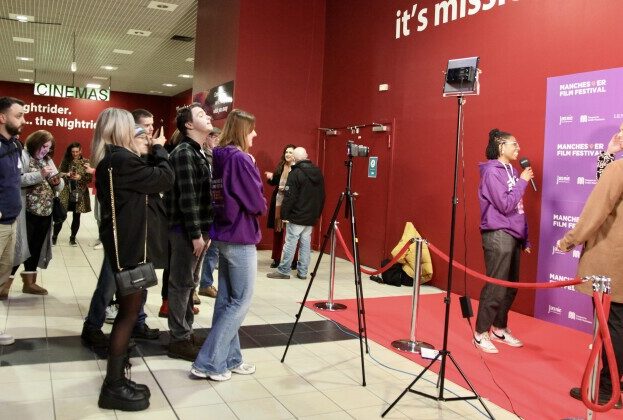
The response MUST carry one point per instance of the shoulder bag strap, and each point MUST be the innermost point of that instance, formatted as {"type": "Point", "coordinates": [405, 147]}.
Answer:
{"type": "Point", "coordinates": [114, 221]}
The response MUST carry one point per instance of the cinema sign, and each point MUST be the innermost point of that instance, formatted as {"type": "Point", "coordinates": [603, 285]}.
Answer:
{"type": "Point", "coordinates": [60, 91]}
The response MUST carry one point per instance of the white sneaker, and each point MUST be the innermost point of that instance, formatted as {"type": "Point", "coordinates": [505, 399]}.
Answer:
{"type": "Point", "coordinates": [484, 343]}
{"type": "Point", "coordinates": [196, 373]}
{"type": "Point", "coordinates": [6, 339]}
{"type": "Point", "coordinates": [111, 314]}
{"type": "Point", "coordinates": [98, 246]}
{"type": "Point", "coordinates": [244, 369]}
{"type": "Point", "coordinates": [505, 336]}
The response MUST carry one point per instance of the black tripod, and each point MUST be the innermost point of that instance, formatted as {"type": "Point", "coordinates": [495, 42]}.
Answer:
{"type": "Point", "coordinates": [350, 213]}
{"type": "Point", "coordinates": [444, 353]}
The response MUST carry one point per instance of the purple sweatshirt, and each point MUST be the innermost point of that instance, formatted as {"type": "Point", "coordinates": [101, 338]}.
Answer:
{"type": "Point", "coordinates": [237, 197]}
{"type": "Point", "coordinates": [499, 195]}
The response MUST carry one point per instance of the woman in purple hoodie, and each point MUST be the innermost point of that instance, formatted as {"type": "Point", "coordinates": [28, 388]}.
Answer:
{"type": "Point", "coordinates": [238, 201]}
{"type": "Point", "coordinates": [504, 234]}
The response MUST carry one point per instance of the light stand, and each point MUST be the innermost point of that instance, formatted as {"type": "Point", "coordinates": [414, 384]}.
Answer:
{"type": "Point", "coordinates": [444, 353]}
{"type": "Point", "coordinates": [350, 213]}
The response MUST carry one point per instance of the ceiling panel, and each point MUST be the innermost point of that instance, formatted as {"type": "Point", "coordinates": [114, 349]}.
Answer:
{"type": "Point", "coordinates": [100, 26]}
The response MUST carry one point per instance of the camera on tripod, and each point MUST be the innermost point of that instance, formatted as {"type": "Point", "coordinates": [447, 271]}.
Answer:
{"type": "Point", "coordinates": [357, 150]}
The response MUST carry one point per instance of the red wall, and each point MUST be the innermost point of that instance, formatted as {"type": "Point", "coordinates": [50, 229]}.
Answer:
{"type": "Point", "coordinates": [81, 109]}
{"type": "Point", "coordinates": [520, 44]}
{"type": "Point", "coordinates": [181, 99]}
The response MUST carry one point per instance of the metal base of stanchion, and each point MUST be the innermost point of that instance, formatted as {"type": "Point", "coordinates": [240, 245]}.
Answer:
{"type": "Point", "coordinates": [410, 346]}
{"type": "Point", "coordinates": [330, 306]}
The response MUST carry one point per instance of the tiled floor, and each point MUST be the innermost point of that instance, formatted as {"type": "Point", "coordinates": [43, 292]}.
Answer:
{"type": "Point", "coordinates": [47, 374]}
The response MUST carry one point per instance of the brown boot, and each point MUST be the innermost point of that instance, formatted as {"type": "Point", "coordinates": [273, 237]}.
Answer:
{"type": "Point", "coordinates": [4, 290]}
{"type": "Point", "coordinates": [29, 278]}
{"type": "Point", "coordinates": [185, 350]}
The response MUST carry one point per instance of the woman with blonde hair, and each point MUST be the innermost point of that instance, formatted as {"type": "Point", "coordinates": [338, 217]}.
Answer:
{"type": "Point", "coordinates": [238, 201]}
{"type": "Point", "coordinates": [116, 152]}
{"type": "Point", "coordinates": [40, 182]}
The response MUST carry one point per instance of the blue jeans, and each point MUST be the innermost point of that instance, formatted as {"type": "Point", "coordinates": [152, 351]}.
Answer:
{"type": "Point", "coordinates": [236, 276]}
{"type": "Point", "coordinates": [301, 234]}
{"type": "Point", "coordinates": [103, 294]}
{"type": "Point", "coordinates": [210, 260]}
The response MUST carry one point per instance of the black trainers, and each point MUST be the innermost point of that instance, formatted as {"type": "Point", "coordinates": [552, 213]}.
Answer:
{"type": "Point", "coordinates": [72, 242]}
{"type": "Point", "coordinates": [274, 264]}
{"type": "Point", "coordinates": [146, 333]}
{"type": "Point", "coordinates": [93, 338]}
{"type": "Point", "coordinates": [603, 399]}
{"type": "Point", "coordinates": [54, 239]}
{"type": "Point", "coordinates": [185, 350]}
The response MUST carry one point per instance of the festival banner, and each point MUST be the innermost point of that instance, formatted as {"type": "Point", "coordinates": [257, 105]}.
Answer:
{"type": "Point", "coordinates": [583, 111]}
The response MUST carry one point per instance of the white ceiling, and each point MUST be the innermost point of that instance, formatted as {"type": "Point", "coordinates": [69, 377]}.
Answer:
{"type": "Point", "coordinates": [101, 26]}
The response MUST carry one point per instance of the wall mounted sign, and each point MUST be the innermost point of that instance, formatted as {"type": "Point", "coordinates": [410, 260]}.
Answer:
{"type": "Point", "coordinates": [61, 91]}
{"type": "Point", "coordinates": [218, 101]}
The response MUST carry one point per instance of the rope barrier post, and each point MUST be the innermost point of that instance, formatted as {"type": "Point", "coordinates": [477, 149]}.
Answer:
{"type": "Point", "coordinates": [329, 305]}
{"type": "Point", "coordinates": [411, 345]}
{"type": "Point", "coordinates": [601, 285]}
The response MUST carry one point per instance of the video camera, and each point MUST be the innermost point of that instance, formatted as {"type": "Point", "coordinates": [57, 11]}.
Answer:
{"type": "Point", "coordinates": [357, 150]}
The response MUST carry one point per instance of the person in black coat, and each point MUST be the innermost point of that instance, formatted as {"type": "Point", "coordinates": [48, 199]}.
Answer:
{"type": "Point", "coordinates": [278, 180]}
{"type": "Point", "coordinates": [115, 146]}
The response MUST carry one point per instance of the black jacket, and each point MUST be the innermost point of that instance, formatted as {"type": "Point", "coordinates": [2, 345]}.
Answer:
{"type": "Point", "coordinates": [270, 224]}
{"type": "Point", "coordinates": [133, 177]}
{"type": "Point", "coordinates": [304, 194]}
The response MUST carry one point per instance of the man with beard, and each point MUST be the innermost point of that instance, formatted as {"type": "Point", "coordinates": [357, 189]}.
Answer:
{"type": "Point", "coordinates": [11, 123]}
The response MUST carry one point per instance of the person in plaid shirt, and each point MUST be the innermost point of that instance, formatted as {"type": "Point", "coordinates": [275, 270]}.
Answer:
{"type": "Point", "coordinates": [189, 210]}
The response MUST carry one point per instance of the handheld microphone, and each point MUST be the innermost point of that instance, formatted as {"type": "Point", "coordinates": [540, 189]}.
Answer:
{"type": "Point", "coordinates": [525, 163]}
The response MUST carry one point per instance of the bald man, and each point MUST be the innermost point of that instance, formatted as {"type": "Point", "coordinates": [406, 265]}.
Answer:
{"type": "Point", "coordinates": [302, 205]}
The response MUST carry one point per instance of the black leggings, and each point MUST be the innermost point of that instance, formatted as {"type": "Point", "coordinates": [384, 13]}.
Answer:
{"type": "Point", "coordinates": [129, 307]}
{"type": "Point", "coordinates": [75, 225]}
{"type": "Point", "coordinates": [37, 229]}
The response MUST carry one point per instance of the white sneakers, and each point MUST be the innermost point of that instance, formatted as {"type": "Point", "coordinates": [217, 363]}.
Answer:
{"type": "Point", "coordinates": [111, 313]}
{"type": "Point", "coordinates": [505, 336]}
{"type": "Point", "coordinates": [242, 369]}
{"type": "Point", "coordinates": [6, 339]}
{"type": "Point", "coordinates": [484, 342]}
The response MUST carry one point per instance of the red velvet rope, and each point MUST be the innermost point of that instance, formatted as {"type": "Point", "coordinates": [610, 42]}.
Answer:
{"type": "Point", "coordinates": [380, 270]}
{"type": "Point", "coordinates": [504, 282]}
{"type": "Point", "coordinates": [603, 338]}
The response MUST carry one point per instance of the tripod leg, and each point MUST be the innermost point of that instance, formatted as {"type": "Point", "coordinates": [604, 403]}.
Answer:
{"type": "Point", "coordinates": [361, 316]}
{"type": "Point", "coordinates": [471, 386]}
{"type": "Point", "coordinates": [313, 274]}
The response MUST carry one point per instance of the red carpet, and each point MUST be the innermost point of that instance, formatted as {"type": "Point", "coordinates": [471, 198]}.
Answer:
{"type": "Point", "coordinates": [537, 377]}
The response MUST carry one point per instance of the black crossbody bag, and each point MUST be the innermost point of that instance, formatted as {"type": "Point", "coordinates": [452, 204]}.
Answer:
{"type": "Point", "coordinates": [133, 279]}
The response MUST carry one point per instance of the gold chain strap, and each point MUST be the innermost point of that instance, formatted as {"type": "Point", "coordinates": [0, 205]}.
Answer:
{"type": "Point", "coordinates": [114, 221]}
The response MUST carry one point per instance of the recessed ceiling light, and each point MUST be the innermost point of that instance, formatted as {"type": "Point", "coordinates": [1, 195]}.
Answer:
{"type": "Point", "coordinates": [138, 32]}
{"type": "Point", "coordinates": [190, 59]}
{"type": "Point", "coordinates": [25, 80]}
{"type": "Point", "coordinates": [21, 18]}
{"type": "Point", "coordinates": [158, 5]}
{"type": "Point", "coordinates": [169, 84]}
{"type": "Point", "coordinates": [94, 85]}
{"type": "Point", "coordinates": [185, 76]}
{"type": "Point", "coordinates": [107, 67]}
{"type": "Point", "coordinates": [25, 58]}
{"type": "Point", "coordinates": [26, 70]}
{"type": "Point", "coordinates": [155, 91]}
{"type": "Point", "coordinates": [127, 52]}
{"type": "Point", "coordinates": [100, 78]}
{"type": "Point", "coordinates": [28, 40]}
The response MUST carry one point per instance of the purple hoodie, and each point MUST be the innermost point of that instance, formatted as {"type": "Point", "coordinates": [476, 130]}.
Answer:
{"type": "Point", "coordinates": [499, 195]}
{"type": "Point", "coordinates": [237, 197]}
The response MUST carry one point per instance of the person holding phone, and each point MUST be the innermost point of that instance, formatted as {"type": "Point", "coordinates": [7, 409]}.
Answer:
{"type": "Point", "coordinates": [75, 196]}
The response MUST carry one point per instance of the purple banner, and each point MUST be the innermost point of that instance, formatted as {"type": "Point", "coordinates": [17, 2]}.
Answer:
{"type": "Point", "coordinates": [583, 111]}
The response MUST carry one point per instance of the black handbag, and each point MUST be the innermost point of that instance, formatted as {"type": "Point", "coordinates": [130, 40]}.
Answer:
{"type": "Point", "coordinates": [133, 279]}
{"type": "Point", "coordinates": [75, 194]}
{"type": "Point", "coordinates": [59, 212]}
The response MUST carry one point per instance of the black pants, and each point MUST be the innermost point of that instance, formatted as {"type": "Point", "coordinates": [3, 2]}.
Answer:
{"type": "Point", "coordinates": [75, 225]}
{"type": "Point", "coordinates": [502, 252]}
{"type": "Point", "coordinates": [615, 325]}
{"type": "Point", "coordinates": [37, 229]}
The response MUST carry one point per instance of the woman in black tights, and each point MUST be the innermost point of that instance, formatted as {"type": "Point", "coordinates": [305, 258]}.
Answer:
{"type": "Point", "coordinates": [115, 146]}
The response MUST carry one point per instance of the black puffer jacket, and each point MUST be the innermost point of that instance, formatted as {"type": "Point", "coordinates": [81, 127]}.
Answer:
{"type": "Point", "coordinates": [304, 194]}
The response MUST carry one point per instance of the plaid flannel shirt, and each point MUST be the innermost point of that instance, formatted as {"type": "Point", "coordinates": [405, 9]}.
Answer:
{"type": "Point", "coordinates": [188, 204]}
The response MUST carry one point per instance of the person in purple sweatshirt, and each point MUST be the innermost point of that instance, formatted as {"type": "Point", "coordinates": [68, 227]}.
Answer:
{"type": "Point", "coordinates": [238, 201]}
{"type": "Point", "coordinates": [504, 234]}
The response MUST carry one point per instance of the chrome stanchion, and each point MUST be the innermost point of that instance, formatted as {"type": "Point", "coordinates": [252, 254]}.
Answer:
{"type": "Point", "coordinates": [601, 285]}
{"type": "Point", "coordinates": [411, 345]}
{"type": "Point", "coordinates": [330, 305]}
